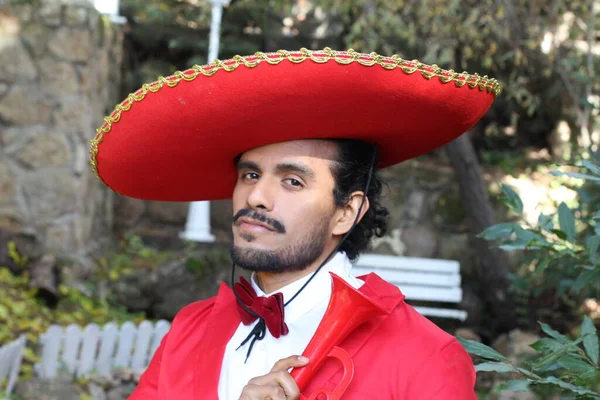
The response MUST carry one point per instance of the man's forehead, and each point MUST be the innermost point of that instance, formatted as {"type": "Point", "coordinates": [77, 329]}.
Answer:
{"type": "Point", "coordinates": [316, 149]}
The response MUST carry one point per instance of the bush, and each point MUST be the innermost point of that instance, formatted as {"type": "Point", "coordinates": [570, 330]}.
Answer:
{"type": "Point", "coordinates": [22, 312]}
{"type": "Point", "coordinates": [562, 254]}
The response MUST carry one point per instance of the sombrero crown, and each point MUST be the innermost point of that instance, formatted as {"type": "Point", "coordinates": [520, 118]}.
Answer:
{"type": "Point", "coordinates": [176, 139]}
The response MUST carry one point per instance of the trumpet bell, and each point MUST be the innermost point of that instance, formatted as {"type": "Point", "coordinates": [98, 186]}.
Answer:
{"type": "Point", "coordinates": [348, 309]}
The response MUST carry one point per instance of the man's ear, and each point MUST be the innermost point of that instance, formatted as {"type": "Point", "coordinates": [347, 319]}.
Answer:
{"type": "Point", "coordinates": [347, 214]}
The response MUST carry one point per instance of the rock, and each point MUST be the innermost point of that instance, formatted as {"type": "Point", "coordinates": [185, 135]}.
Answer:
{"type": "Point", "coordinates": [515, 345]}
{"type": "Point", "coordinates": [38, 389]}
{"type": "Point", "coordinates": [96, 391]}
{"type": "Point", "coordinates": [15, 137]}
{"type": "Point", "coordinates": [467, 334]}
{"type": "Point", "coordinates": [71, 44]}
{"type": "Point", "coordinates": [128, 212]}
{"type": "Point", "coordinates": [473, 305]}
{"type": "Point", "coordinates": [11, 218]}
{"type": "Point", "coordinates": [420, 241]}
{"type": "Point", "coordinates": [23, 12]}
{"type": "Point", "coordinates": [510, 395]}
{"type": "Point", "coordinates": [36, 37]}
{"type": "Point", "coordinates": [3, 89]}
{"type": "Point", "coordinates": [124, 375]}
{"type": "Point", "coordinates": [27, 245]}
{"type": "Point", "coordinates": [74, 115]}
{"type": "Point", "coordinates": [414, 206]}
{"type": "Point", "coordinates": [15, 63]}
{"type": "Point", "coordinates": [50, 193]}
{"type": "Point", "coordinates": [390, 244]}
{"type": "Point", "coordinates": [44, 276]}
{"type": "Point", "coordinates": [449, 212]}
{"type": "Point", "coordinates": [82, 231]}
{"type": "Point", "coordinates": [49, 12]}
{"type": "Point", "coordinates": [455, 247]}
{"type": "Point", "coordinates": [45, 150]}
{"type": "Point", "coordinates": [106, 382]}
{"type": "Point", "coordinates": [7, 184]}
{"type": "Point", "coordinates": [58, 238]}
{"type": "Point", "coordinates": [176, 287]}
{"type": "Point", "coordinates": [81, 161]}
{"type": "Point", "coordinates": [23, 105]}
{"type": "Point", "coordinates": [166, 288]}
{"type": "Point", "coordinates": [76, 16]}
{"type": "Point", "coordinates": [121, 392]}
{"type": "Point", "coordinates": [58, 78]}
{"type": "Point", "coordinates": [168, 212]}
{"type": "Point", "coordinates": [221, 212]}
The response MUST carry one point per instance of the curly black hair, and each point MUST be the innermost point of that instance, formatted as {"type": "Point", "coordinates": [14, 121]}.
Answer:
{"type": "Point", "coordinates": [351, 171]}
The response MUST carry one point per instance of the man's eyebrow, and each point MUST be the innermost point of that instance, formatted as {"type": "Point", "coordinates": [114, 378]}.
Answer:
{"type": "Point", "coordinates": [247, 165]}
{"type": "Point", "coordinates": [299, 168]}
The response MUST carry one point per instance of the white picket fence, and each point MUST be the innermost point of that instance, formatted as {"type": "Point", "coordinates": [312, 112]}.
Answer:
{"type": "Point", "coordinates": [95, 350]}
{"type": "Point", "coordinates": [11, 356]}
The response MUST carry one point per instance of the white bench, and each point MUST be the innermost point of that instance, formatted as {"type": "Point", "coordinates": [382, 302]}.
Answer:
{"type": "Point", "coordinates": [11, 356]}
{"type": "Point", "coordinates": [420, 279]}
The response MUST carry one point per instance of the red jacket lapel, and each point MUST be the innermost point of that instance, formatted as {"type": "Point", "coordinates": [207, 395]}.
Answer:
{"type": "Point", "coordinates": [220, 326]}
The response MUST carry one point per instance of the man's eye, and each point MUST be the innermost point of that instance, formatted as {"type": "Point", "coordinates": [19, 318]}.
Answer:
{"type": "Point", "coordinates": [250, 175]}
{"type": "Point", "coordinates": [294, 182]}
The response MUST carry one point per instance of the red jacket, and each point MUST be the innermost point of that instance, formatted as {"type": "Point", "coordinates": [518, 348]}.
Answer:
{"type": "Point", "coordinates": [398, 356]}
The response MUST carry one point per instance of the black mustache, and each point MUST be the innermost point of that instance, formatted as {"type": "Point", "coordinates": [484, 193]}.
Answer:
{"type": "Point", "coordinates": [251, 214]}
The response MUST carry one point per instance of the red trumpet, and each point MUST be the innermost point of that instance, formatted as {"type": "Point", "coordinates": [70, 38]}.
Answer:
{"type": "Point", "coordinates": [347, 309]}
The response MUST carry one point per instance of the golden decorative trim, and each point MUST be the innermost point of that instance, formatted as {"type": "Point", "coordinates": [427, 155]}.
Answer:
{"type": "Point", "coordinates": [318, 56]}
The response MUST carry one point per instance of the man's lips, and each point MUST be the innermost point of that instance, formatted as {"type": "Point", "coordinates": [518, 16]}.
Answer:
{"type": "Point", "coordinates": [253, 225]}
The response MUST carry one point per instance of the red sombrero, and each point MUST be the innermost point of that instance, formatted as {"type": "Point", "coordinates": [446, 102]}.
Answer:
{"type": "Point", "coordinates": [175, 139]}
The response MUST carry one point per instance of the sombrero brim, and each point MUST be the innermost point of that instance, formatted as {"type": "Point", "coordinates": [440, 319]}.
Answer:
{"type": "Point", "coordinates": [176, 139]}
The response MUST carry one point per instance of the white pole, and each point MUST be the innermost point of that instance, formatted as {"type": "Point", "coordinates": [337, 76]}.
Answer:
{"type": "Point", "coordinates": [197, 227]}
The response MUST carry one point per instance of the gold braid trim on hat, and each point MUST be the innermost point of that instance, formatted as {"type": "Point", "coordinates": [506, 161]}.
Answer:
{"type": "Point", "coordinates": [319, 56]}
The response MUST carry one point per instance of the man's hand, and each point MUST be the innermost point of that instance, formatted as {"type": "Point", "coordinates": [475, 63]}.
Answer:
{"type": "Point", "coordinates": [277, 384]}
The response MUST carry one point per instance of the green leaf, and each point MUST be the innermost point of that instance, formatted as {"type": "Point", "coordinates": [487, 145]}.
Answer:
{"type": "Point", "coordinates": [481, 350]}
{"type": "Point", "coordinates": [512, 199]}
{"type": "Point", "coordinates": [559, 233]}
{"type": "Point", "coordinates": [566, 221]}
{"type": "Point", "coordinates": [545, 344]}
{"type": "Point", "coordinates": [551, 332]}
{"type": "Point", "coordinates": [564, 385]}
{"type": "Point", "coordinates": [575, 365]}
{"type": "Point", "coordinates": [494, 367]}
{"type": "Point", "coordinates": [592, 167]}
{"type": "Point", "coordinates": [499, 231]}
{"type": "Point", "coordinates": [555, 356]}
{"type": "Point", "coordinates": [590, 339]}
{"type": "Point", "coordinates": [577, 175]}
{"type": "Point", "coordinates": [545, 222]}
{"type": "Point", "coordinates": [590, 274]}
{"type": "Point", "coordinates": [521, 385]}
{"type": "Point", "coordinates": [592, 244]}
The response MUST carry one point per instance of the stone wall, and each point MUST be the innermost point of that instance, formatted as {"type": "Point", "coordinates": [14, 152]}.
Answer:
{"type": "Point", "coordinates": [59, 75]}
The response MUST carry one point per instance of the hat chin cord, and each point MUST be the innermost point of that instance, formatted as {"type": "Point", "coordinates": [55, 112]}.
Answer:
{"type": "Point", "coordinates": [259, 330]}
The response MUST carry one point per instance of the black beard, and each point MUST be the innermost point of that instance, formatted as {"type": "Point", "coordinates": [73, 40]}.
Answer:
{"type": "Point", "coordinates": [295, 257]}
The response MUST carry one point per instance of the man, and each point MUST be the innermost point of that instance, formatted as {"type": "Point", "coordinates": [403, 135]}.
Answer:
{"type": "Point", "coordinates": [294, 138]}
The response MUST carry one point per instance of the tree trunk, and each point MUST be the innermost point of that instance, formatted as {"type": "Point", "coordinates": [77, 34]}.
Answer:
{"type": "Point", "coordinates": [493, 264]}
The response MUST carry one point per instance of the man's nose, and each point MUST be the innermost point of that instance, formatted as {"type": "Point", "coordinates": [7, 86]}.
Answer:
{"type": "Point", "coordinates": [262, 195]}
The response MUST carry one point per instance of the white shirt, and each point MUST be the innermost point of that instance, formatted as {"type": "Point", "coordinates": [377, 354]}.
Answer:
{"type": "Point", "coordinates": [302, 316]}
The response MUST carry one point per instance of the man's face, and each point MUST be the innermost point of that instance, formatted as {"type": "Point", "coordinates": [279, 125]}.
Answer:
{"type": "Point", "coordinates": [283, 209]}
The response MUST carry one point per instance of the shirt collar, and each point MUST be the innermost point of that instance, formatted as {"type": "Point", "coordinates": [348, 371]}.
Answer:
{"type": "Point", "coordinates": [317, 291]}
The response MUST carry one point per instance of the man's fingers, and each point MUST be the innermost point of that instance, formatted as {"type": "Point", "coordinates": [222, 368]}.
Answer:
{"type": "Point", "coordinates": [282, 379]}
{"type": "Point", "coordinates": [260, 392]}
{"type": "Point", "coordinates": [286, 363]}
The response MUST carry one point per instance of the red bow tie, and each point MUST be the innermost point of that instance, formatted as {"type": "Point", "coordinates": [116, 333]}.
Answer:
{"type": "Point", "coordinates": [270, 309]}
